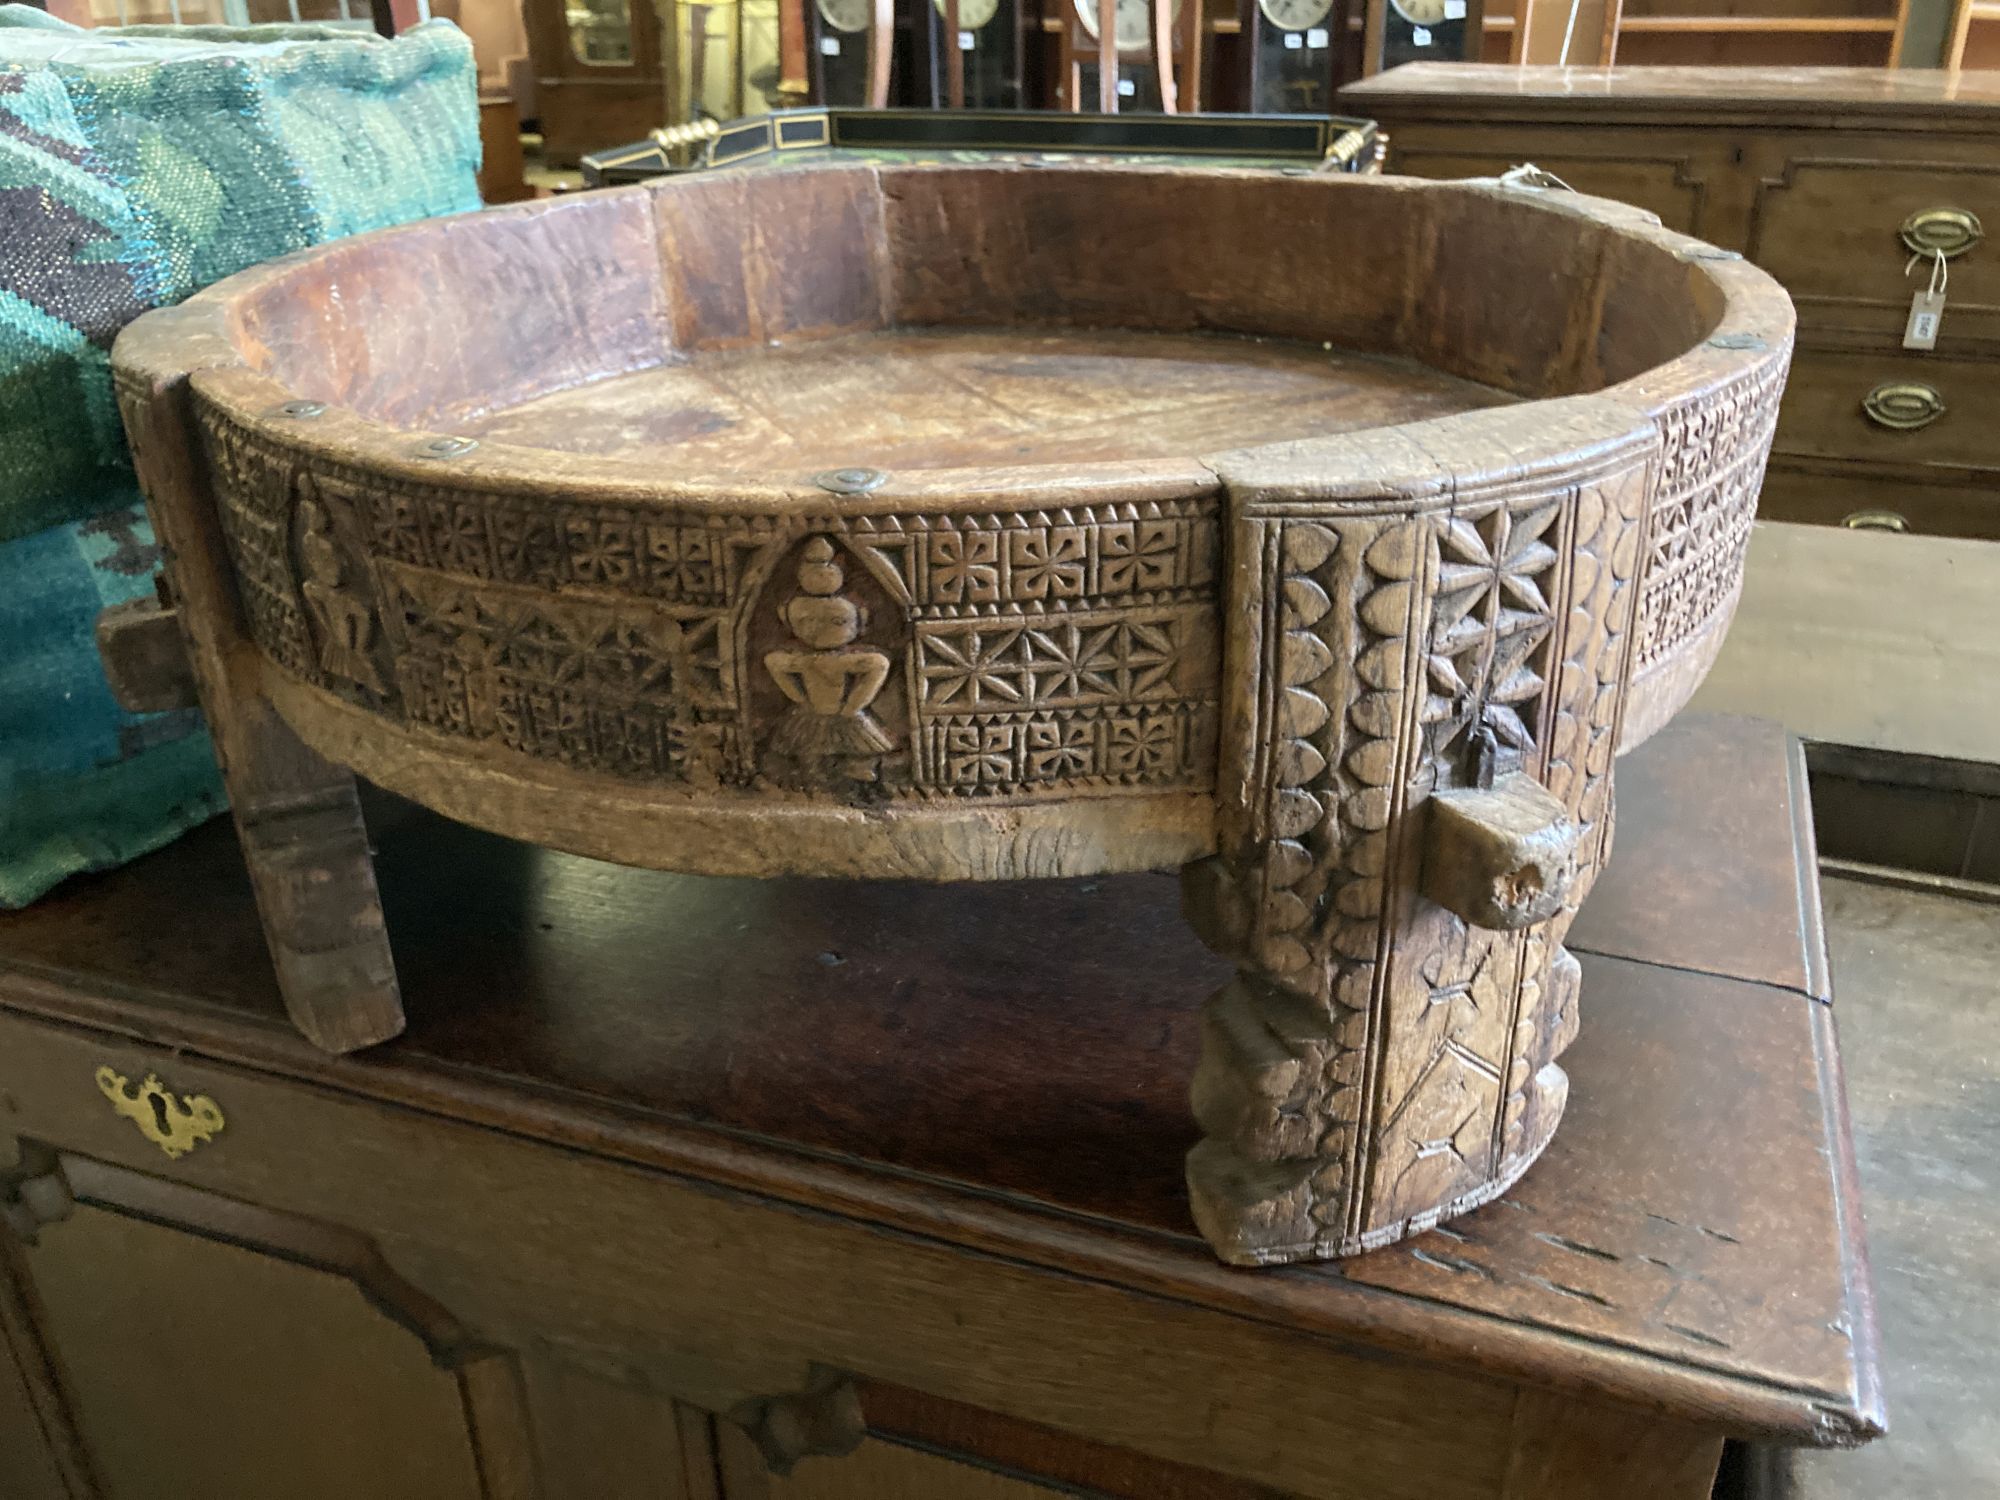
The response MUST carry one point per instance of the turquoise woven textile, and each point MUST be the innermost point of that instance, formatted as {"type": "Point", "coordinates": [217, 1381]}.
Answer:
{"type": "Point", "coordinates": [136, 167]}
{"type": "Point", "coordinates": [83, 784]}
{"type": "Point", "coordinates": [139, 165]}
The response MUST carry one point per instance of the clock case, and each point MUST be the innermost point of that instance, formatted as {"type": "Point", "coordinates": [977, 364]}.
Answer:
{"type": "Point", "coordinates": [924, 67]}
{"type": "Point", "coordinates": [1164, 70]}
{"type": "Point", "coordinates": [1288, 73]}
{"type": "Point", "coordinates": [1389, 37]}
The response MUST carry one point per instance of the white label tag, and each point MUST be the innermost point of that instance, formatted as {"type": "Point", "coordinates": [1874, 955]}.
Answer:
{"type": "Point", "coordinates": [1926, 313]}
{"type": "Point", "coordinates": [1420, 36]}
{"type": "Point", "coordinates": [965, 41]}
{"type": "Point", "coordinates": [1317, 37]}
{"type": "Point", "coordinates": [1454, 10]}
{"type": "Point", "coordinates": [1293, 41]}
{"type": "Point", "coordinates": [829, 46]}
{"type": "Point", "coordinates": [1127, 88]}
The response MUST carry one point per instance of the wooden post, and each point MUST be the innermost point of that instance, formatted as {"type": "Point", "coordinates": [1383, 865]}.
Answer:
{"type": "Point", "coordinates": [297, 815]}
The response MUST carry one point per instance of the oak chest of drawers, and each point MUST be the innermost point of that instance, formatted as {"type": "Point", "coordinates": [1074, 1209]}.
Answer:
{"type": "Point", "coordinates": [704, 1189]}
{"type": "Point", "coordinates": [1841, 182]}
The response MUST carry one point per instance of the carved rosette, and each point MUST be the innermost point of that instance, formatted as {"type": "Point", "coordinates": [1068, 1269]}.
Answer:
{"type": "Point", "coordinates": [1380, 1062]}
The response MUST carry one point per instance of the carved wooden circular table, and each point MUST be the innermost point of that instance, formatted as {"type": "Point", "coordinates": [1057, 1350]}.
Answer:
{"type": "Point", "coordinates": [1327, 536]}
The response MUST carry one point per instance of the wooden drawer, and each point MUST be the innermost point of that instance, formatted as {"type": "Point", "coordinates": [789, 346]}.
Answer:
{"type": "Point", "coordinates": [1826, 412]}
{"type": "Point", "coordinates": [1827, 221]}
{"type": "Point", "coordinates": [1826, 493]}
{"type": "Point", "coordinates": [1666, 172]}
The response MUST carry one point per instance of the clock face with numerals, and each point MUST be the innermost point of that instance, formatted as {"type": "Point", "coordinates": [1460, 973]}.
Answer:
{"type": "Point", "coordinates": [1420, 12]}
{"type": "Point", "coordinates": [973, 14]}
{"type": "Point", "coordinates": [845, 15]}
{"type": "Point", "coordinates": [1294, 15]}
{"type": "Point", "coordinates": [1135, 22]}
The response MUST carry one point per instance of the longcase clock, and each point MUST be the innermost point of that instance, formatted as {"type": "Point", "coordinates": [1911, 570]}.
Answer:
{"type": "Point", "coordinates": [975, 49]}
{"type": "Point", "coordinates": [1297, 52]}
{"type": "Point", "coordinates": [1155, 44]}
{"type": "Point", "coordinates": [851, 44]}
{"type": "Point", "coordinates": [1401, 31]}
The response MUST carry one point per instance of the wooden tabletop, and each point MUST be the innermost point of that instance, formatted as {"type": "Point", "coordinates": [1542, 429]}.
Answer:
{"type": "Point", "coordinates": [1004, 1067]}
{"type": "Point", "coordinates": [1830, 95]}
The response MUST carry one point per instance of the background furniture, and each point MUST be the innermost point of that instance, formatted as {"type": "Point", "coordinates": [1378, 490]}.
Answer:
{"type": "Point", "coordinates": [1973, 40]}
{"type": "Point", "coordinates": [599, 75]}
{"type": "Point", "coordinates": [1829, 179]}
{"type": "Point", "coordinates": [637, 1209]}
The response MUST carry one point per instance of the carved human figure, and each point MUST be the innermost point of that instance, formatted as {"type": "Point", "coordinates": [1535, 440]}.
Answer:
{"type": "Point", "coordinates": [344, 624]}
{"type": "Point", "coordinates": [828, 734]}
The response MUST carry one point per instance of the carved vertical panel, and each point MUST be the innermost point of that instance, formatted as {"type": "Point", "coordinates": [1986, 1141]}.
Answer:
{"type": "Point", "coordinates": [1380, 1062]}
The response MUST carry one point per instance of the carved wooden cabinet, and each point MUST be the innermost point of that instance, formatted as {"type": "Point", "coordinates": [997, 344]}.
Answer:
{"type": "Point", "coordinates": [1842, 183]}
{"type": "Point", "coordinates": [686, 1188]}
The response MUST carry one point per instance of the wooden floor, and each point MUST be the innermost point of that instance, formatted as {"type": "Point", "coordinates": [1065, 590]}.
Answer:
{"type": "Point", "coordinates": [942, 398]}
{"type": "Point", "coordinates": [1917, 981]}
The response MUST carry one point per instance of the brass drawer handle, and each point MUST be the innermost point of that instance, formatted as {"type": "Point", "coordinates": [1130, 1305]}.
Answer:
{"type": "Point", "coordinates": [1876, 520]}
{"type": "Point", "coordinates": [1904, 405]}
{"type": "Point", "coordinates": [1942, 231]}
{"type": "Point", "coordinates": [174, 1123]}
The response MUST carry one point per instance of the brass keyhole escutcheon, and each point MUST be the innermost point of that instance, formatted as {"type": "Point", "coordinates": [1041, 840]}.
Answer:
{"type": "Point", "coordinates": [1942, 231]}
{"type": "Point", "coordinates": [176, 1123]}
{"type": "Point", "coordinates": [1903, 405]}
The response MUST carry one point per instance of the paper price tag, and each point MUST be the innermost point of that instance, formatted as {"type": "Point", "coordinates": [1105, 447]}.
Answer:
{"type": "Point", "coordinates": [829, 46]}
{"type": "Point", "coordinates": [1127, 88]}
{"type": "Point", "coordinates": [965, 41]}
{"type": "Point", "coordinates": [1420, 36]}
{"type": "Point", "coordinates": [1293, 41]}
{"type": "Point", "coordinates": [1454, 10]}
{"type": "Point", "coordinates": [1317, 37]}
{"type": "Point", "coordinates": [1926, 313]}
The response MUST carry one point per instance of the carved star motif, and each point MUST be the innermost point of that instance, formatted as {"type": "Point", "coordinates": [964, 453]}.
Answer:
{"type": "Point", "coordinates": [1489, 620]}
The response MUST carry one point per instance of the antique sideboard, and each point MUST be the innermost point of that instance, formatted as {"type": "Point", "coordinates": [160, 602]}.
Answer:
{"type": "Point", "coordinates": [1844, 183]}
{"type": "Point", "coordinates": [704, 1189]}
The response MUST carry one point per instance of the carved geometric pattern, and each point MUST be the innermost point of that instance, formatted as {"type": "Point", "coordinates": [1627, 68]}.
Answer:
{"type": "Point", "coordinates": [1379, 1060]}
{"type": "Point", "coordinates": [1712, 467]}
{"type": "Point", "coordinates": [1489, 620]}
{"type": "Point", "coordinates": [1042, 650]}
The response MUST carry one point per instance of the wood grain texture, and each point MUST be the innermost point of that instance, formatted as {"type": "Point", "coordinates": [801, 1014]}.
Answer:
{"type": "Point", "coordinates": [1814, 175]}
{"type": "Point", "coordinates": [882, 1055]}
{"type": "Point", "coordinates": [1029, 645]}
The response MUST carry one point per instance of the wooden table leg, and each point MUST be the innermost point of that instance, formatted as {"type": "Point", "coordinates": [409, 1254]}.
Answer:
{"type": "Point", "coordinates": [1566, 1449]}
{"type": "Point", "coordinates": [297, 814]}
{"type": "Point", "coordinates": [1416, 786]}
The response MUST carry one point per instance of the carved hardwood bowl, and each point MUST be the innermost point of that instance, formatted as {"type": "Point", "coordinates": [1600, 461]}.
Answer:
{"type": "Point", "coordinates": [1324, 535]}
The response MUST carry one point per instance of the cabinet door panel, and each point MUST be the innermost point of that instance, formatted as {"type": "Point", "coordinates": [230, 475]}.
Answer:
{"type": "Point", "coordinates": [201, 1369]}
{"type": "Point", "coordinates": [1667, 178]}
{"type": "Point", "coordinates": [27, 1467]}
{"type": "Point", "coordinates": [874, 1471]}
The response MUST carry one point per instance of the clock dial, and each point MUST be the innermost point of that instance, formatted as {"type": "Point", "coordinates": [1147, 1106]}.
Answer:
{"type": "Point", "coordinates": [973, 14]}
{"type": "Point", "coordinates": [1135, 22]}
{"type": "Point", "coordinates": [1420, 12]}
{"type": "Point", "coordinates": [1294, 15]}
{"type": "Point", "coordinates": [845, 15]}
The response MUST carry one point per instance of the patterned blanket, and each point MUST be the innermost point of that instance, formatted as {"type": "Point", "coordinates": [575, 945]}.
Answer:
{"type": "Point", "coordinates": [136, 167]}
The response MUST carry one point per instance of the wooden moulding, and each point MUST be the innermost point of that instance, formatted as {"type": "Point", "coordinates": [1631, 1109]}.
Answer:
{"type": "Point", "coordinates": [1297, 646]}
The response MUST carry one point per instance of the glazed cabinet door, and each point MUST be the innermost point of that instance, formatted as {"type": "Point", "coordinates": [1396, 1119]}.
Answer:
{"type": "Point", "coordinates": [164, 1342]}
